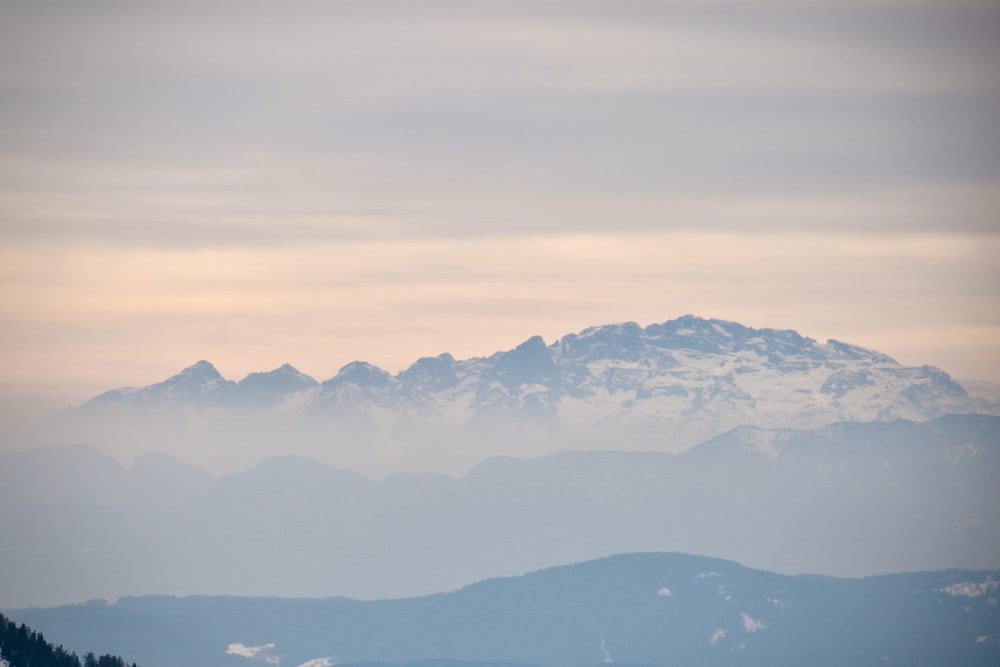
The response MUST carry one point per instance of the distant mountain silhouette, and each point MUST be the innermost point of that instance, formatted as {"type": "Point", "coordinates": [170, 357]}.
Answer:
{"type": "Point", "coordinates": [846, 499]}
{"type": "Point", "coordinates": [641, 609]}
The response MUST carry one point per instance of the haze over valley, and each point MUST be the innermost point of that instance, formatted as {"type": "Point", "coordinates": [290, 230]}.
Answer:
{"type": "Point", "coordinates": [814, 458]}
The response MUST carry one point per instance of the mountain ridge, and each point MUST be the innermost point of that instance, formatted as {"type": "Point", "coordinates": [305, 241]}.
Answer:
{"type": "Point", "coordinates": [848, 499]}
{"type": "Point", "coordinates": [647, 608]}
{"type": "Point", "coordinates": [687, 330]}
{"type": "Point", "coordinates": [663, 387]}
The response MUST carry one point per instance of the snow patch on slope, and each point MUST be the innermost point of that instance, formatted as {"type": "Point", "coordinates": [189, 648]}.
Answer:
{"type": "Point", "coordinates": [607, 659]}
{"type": "Point", "coordinates": [258, 653]}
{"type": "Point", "coordinates": [970, 589]}
{"type": "Point", "coordinates": [751, 624]}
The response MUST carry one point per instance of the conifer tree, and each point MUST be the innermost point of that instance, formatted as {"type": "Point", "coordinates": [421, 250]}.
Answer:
{"type": "Point", "coordinates": [22, 647]}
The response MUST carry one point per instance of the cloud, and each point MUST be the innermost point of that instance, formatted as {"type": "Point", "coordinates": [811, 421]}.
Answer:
{"type": "Point", "coordinates": [98, 313]}
{"type": "Point", "coordinates": [294, 111]}
{"type": "Point", "coordinates": [388, 179]}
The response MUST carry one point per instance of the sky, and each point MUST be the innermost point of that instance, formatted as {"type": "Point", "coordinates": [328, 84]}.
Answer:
{"type": "Point", "coordinates": [255, 183]}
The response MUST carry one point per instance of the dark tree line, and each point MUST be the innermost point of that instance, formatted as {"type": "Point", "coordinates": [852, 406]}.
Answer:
{"type": "Point", "coordinates": [21, 646]}
{"type": "Point", "coordinates": [104, 661]}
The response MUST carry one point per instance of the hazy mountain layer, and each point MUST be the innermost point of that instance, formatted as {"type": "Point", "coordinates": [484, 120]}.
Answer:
{"type": "Point", "coordinates": [640, 609]}
{"type": "Point", "coordinates": [665, 387]}
{"type": "Point", "coordinates": [848, 499]}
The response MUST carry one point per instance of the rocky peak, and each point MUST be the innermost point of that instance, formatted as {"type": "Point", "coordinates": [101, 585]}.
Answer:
{"type": "Point", "coordinates": [431, 373]}
{"type": "Point", "coordinates": [360, 373]}
{"type": "Point", "coordinates": [530, 362]}
{"type": "Point", "coordinates": [614, 341]}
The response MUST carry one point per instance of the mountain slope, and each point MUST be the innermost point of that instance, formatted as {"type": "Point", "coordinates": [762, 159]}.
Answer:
{"type": "Point", "coordinates": [664, 387]}
{"type": "Point", "coordinates": [640, 609]}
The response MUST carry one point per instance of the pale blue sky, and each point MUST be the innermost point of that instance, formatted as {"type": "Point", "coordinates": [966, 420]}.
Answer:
{"type": "Point", "coordinates": [317, 182]}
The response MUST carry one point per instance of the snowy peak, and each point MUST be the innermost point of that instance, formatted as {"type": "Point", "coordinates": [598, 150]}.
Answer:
{"type": "Point", "coordinates": [284, 373]}
{"type": "Point", "coordinates": [363, 391]}
{"type": "Point", "coordinates": [198, 379]}
{"type": "Point", "coordinates": [200, 383]}
{"type": "Point", "coordinates": [697, 336]}
{"type": "Point", "coordinates": [360, 373]}
{"type": "Point", "coordinates": [201, 370]}
{"type": "Point", "coordinates": [700, 335]}
{"type": "Point", "coordinates": [528, 363]}
{"type": "Point", "coordinates": [622, 342]}
{"type": "Point", "coordinates": [268, 389]}
{"type": "Point", "coordinates": [431, 374]}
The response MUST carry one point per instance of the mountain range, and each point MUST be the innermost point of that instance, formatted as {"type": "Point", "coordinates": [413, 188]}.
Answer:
{"type": "Point", "coordinates": [848, 499]}
{"type": "Point", "coordinates": [758, 446]}
{"type": "Point", "coordinates": [665, 387]}
{"type": "Point", "coordinates": [643, 610]}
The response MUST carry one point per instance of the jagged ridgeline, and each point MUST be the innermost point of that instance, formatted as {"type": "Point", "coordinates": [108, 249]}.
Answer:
{"type": "Point", "coordinates": [20, 646]}
{"type": "Point", "coordinates": [665, 387]}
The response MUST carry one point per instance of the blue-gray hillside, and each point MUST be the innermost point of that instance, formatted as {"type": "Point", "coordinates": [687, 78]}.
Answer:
{"type": "Point", "coordinates": [847, 499]}
{"type": "Point", "coordinates": [664, 387]}
{"type": "Point", "coordinates": [640, 609]}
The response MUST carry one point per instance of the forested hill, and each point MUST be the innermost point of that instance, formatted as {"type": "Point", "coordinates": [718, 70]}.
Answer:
{"type": "Point", "coordinates": [20, 646]}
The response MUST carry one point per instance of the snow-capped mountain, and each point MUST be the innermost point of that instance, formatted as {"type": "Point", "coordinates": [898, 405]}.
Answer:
{"type": "Point", "coordinates": [664, 387]}
{"type": "Point", "coordinates": [202, 386]}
